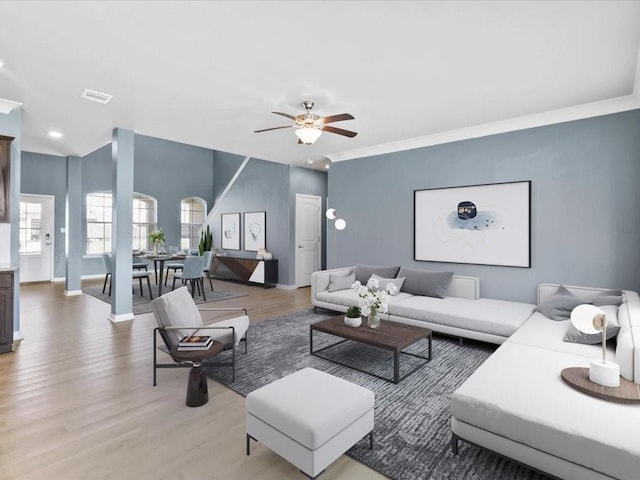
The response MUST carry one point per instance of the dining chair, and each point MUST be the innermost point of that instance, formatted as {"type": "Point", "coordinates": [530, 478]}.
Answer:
{"type": "Point", "coordinates": [139, 274]}
{"type": "Point", "coordinates": [192, 272]}
{"type": "Point", "coordinates": [138, 263]}
{"type": "Point", "coordinates": [208, 256]}
{"type": "Point", "coordinates": [175, 266]}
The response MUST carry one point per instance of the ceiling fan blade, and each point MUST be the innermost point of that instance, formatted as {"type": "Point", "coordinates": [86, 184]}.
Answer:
{"type": "Point", "coordinates": [272, 128]}
{"type": "Point", "coordinates": [339, 131]}
{"type": "Point", "coordinates": [285, 115]}
{"type": "Point", "coordinates": [335, 118]}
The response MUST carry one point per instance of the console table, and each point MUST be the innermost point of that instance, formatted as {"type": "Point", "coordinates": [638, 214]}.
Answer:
{"type": "Point", "coordinates": [248, 270]}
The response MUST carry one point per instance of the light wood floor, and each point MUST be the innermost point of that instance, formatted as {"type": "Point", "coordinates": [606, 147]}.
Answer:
{"type": "Point", "coordinates": [76, 400]}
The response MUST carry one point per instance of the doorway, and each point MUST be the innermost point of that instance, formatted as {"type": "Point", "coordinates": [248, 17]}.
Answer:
{"type": "Point", "coordinates": [308, 255]}
{"type": "Point", "coordinates": [36, 238]}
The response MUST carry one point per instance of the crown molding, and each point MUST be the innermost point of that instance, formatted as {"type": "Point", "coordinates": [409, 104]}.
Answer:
{"type": "Point", "coordinates": [578, 112]}
{"type": "Point", "coordinates": [6, 106]}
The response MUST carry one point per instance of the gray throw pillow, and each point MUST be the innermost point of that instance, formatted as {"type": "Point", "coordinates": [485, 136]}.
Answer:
{"type": "Point", "coordinates": [337, 282]}
{"type": "Point", "coordinates": [559, 305]}
{"type": "Point", "coordinates": [384, 281]}
{"type": "Point", "coordinates": [608, 297]}
{"type": "Point", "coordinates": [425, 282]}
{"type": "Point", "coordinates": [364, 272]}
{"type": "Point", "coordinates": [574, 335]}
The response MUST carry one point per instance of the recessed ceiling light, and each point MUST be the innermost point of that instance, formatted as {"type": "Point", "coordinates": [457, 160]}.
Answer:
{"type": "Point", "coordinates": [55, 134]}
{"type": "Point", "coordinates": [327, 166]}
{"type": "Point", "coordinates": [95, 96]}
{"type": "Point", "coordinates": [1, 64]}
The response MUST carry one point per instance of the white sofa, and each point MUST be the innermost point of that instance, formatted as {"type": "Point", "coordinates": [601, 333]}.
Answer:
{"type": "Point", "coordinates": [462, 313]}
{"type": "Point", "coordinates": [517, 405]}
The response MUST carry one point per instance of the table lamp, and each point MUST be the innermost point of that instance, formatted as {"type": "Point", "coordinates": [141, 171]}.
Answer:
{"type": "Point", "coordinates": [590, 319]}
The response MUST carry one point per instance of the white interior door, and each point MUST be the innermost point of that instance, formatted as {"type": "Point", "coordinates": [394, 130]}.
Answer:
{"type": "Point", "coordinates": [36, 238]}
{"type": "Point", "coordinates": [308, 240]}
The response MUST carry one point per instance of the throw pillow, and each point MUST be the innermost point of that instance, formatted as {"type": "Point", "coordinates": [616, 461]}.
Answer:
{"type": "Point", "coordinates": [574, 335]}
{"type": "Point", "coordinates": [384, 281]}
{"type": "Point", "coordinates": [559, 305]}
{"type": "Point", "coordinates": [425, 282]}
{"type": "Point", "coordinates": [364, 272]}
{"type": "Point", "coordinates": [337, 282]}
{"type": "Point", "coordinates": [608, 297]}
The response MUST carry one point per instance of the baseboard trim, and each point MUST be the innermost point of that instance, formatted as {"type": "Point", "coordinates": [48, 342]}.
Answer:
{"type": "Point", "coordinates": [285, 287]}
{"type": "Point", "coordinates": [83, 277]}
{"type": "Point", "coordinates": [123, 317]}
{"type": "Point", "coordinates": [72, 293]}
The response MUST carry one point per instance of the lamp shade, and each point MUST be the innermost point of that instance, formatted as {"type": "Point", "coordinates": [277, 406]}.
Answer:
{"type": "Point", "coordinates": [582, 318]}
{"type": "Point", "coordinates": [331, 213]}
{"type": "Point", "coordinates": [308, 135]}
{"type": "Point", "coordinates": [341, 224]}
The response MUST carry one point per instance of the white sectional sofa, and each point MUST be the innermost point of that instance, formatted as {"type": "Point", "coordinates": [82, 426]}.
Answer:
{"type": "Point", "coordinates": [516, 404]}
{"type": "Point", "coordinates": [461, 313]}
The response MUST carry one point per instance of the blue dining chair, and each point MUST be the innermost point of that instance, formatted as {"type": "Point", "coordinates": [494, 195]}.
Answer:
{"type": "Point", "coordinates": [139, 274]}
{"type": "Point", "coordinates": [192, 272]}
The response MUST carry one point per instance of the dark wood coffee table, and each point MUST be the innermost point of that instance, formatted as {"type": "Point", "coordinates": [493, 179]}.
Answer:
{"type": "Point", "coordinates": [389, 335]}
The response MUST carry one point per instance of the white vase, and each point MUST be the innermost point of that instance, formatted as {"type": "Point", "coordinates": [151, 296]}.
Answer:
{"type": "Point", "coordinates": [352, 321]}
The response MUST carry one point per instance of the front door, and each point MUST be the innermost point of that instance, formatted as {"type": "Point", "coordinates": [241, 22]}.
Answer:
{"type": "Point", "coordinates": [308, 231]}
{"type": "Point", "coordinates": [36, 238]}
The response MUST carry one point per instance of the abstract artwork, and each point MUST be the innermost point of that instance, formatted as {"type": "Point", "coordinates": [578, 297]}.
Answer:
{"type": "Point", "coordinates": [255, 231]}
{"type": "Point", "coordinates": [480, 224]}
{"type": "Point", "coordinates": [230, 226]}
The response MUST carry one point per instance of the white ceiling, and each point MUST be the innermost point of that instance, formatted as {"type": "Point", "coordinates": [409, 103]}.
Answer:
{"type": "Point", "coordinates": [209, 73]}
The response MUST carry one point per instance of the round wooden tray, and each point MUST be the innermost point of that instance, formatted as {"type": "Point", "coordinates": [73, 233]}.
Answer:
{"type": "Point", "coordinates": [578, 378]}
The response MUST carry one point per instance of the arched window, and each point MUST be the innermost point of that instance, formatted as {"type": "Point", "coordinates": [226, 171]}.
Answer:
{"type": "Point", "coordinates": [99, 221]}
{"type": "Point", "coordinates": [192, 213]}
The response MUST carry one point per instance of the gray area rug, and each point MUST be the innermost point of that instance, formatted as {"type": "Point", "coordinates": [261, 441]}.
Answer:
{"type": "Point", "coordinates": [143, 304]}
{"type": "Point", "coordinates": [412, 419]}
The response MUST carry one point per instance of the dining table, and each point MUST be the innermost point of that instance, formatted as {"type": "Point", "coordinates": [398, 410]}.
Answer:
{"type": "Point", "coordinates": [158, 261]}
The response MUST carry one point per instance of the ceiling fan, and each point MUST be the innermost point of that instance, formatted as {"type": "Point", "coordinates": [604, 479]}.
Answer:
{"type": "Point", "coordinates": [310, 126]}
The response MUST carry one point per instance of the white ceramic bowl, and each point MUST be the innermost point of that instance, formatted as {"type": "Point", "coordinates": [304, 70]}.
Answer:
{"type": "Point", "coordinates": [352, 322]}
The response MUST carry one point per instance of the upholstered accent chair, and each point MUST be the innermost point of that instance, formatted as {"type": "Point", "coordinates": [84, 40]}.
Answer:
{"type": "Point", "coordinates": [177, 316]}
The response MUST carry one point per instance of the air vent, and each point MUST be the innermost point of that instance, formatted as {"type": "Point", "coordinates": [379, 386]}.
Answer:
{"type": "Point", "coordinates": [96, 96]}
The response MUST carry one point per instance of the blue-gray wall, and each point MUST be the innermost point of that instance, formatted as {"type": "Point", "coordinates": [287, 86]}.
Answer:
{"type": "Point", "coordinates": [46, 175]}
{"type": "Point", "coordinates": [585, 220]}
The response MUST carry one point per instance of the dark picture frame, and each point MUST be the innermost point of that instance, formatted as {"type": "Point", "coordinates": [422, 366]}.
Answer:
{"type": "Point", "coordinates": [230, 231]}
{"type": "Point", "coordinates": [255, 231]}
{"type": "Point", "coordinates": [487, 224]}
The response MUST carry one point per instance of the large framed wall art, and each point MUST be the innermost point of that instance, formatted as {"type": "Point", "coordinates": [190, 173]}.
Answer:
{"type": "Point", "coordinates": [255, 231]}
{"type": "Point", "coordinates": [230, 226]}
{"type": "Point", "coordinates": [480, 224]}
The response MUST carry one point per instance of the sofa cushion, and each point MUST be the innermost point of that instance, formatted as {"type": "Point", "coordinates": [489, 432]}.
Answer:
{"type": "Point", "coordinates": [560, 305]}
{"type": "Point", "coordinates": [383, 282]}
{"type": "Point", "coordinates": [349, 298]}
{"type": "Point", "coordinates": [497, 317]}
{"type": "Point", "coordinates": [518, 393]}
{"type": "Point", "coordinates": [364, 272]}
{"type": "Point", "coordinates": [339, 282]}
{"type": "Point", "coordinates": [425, 282]}
{"type": "Point", "coordinates": [608, 297]}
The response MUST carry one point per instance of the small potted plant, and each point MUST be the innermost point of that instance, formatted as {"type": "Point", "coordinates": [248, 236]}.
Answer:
{"type": "Point", "coordinates": [352, 317]}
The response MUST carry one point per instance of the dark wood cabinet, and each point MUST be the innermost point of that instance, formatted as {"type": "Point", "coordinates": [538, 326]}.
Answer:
{"type": "Point", "coordinates": [248, 270]}
{"type": "Point", "coordinates": [6, 311]}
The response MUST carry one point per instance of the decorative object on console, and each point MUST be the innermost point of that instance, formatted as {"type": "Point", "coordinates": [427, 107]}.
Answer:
{"type": "Point", "coordinates": [590, 319]}
{"type": "Point", "coordinates": [352, 317]}
{"type": "Point", "coordinates": [230, 230]}
{"type": "Point", "coordinates": [373, 299]}
{"type": "Point", "coordinates": [479, 224]}
{"type": "Point", "coordinates": [206, 241]}
{"type": "Point", "coordinates": [255, 231]}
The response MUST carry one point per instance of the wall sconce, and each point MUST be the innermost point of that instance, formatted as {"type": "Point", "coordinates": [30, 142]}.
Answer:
{"type": "Point", "coordinates": [341, 224]}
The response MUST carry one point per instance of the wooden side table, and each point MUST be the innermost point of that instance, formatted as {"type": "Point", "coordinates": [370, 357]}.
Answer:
{"type": "Point", "coordinates": [197, 390]}
{"type": "Point", "coordinates": [578, 378]}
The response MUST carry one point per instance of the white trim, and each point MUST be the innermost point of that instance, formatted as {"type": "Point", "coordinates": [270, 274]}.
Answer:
{"type": "Point", "coordinates": [123, 317]}
{"type": "Point", "coordinates": [84, 277]}
{"type": "Point", "coordinates": [578, 112]}
{"type": "Point", "coordinates": [282, 286]}
{"type": "Point", "coordinates": [17, 336]}
{"type": "Point", "coordinates": [51, 203]}
{"type": "Point", "coordinates": [636, 84]}
{"type": "Point", "coordinates": [72, 293]}
{"type": "Point", "coordinates": [6, 106]}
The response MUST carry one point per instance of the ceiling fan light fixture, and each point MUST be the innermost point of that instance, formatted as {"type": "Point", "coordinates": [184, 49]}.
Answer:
{"type": "Point", "coordinates": [308, 135]}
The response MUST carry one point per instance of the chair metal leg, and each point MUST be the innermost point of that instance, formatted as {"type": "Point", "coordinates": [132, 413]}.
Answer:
{"type": "Point", "coordinates": [201, 283]}
{"type": "Point", "coordinates": [140, 282]}
{"type": "Point", "coordinates": [149, 285]}
{"type": "Point", "coordinates": [110, 278]}
{"type": "Point", "coordinates": [210, 282]}
{"type": "Point", "coordinates": [173, 287]}
{"type": "Point", "coordinates": [104, 286]}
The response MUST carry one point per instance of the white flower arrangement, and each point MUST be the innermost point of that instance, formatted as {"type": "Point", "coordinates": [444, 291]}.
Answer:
{"type": "Point", "coordinates": [157, 237]}
{"type": "Point", "coordinates": [373, 299]}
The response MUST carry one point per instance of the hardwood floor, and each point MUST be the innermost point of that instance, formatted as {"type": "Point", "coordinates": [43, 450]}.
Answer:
{"type": "Point", "coordinates": [76, 400]}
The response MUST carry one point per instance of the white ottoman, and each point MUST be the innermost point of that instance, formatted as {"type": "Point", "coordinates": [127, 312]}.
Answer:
{"type": "Point", "coordinates": [310, 418]}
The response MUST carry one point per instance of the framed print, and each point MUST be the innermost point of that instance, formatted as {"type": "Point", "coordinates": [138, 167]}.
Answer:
{"type": "Point", "coordinates": [480, 224]}
{"type": "Point", "coordinates": [230, 227]}
{"type": "Point", "coordinates": [255, 231]}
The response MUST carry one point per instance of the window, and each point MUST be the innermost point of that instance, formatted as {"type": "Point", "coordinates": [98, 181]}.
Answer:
{"type": "Point", "coordinates": [192, 211]}
{"type": "Point", "coordinates": [30, 214]}
{"type": "Point", "coordinates": [99, 215]}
